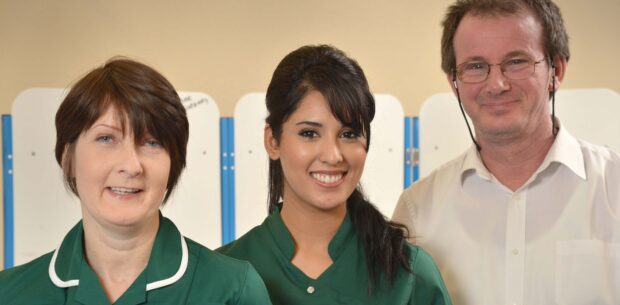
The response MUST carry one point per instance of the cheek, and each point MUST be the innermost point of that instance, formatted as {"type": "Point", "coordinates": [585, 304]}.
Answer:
{"type": "Point", "coordinates": [361, 160]}
{"type": "Point", "coordinates": [470, 92]}
{"type": "Point", "coordinates": [357, 156]}
{"type": "Point", "coordinates": [161, 171]}
{"type": "Point", "coordinates": [292, 164]}
{"type": "Point", "coordinates": [86, 169]}
{"type": "Point", "coordinates": [296, 155]}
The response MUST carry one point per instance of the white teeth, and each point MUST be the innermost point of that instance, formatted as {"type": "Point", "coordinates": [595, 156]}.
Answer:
{"type": "Point", "coordinates": [327, 178]}
{"type": "Point", "coordinates": [124, 190]}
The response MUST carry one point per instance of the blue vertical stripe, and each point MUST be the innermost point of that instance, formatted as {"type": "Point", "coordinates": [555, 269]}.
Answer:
{"type": "Point", "coordinates": [416, 147]}
{"type": "Point", "coordinates": [231, 180]}
{"type": "Point", "coordinates": [407, 166]}
{"type": "Point", "coordinates": [227, 147]}
{"type": "Point", "coordinates": [7, 165]}
{"type": "Point", "coordinates": [224, 178]}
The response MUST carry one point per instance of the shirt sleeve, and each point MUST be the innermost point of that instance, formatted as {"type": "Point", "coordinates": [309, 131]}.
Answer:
{"type": "Point", "coordinates": [403, 216]}
{"type": "Point", "coordinates": [429, 288]}
{"type": "Point", "coordinates": [253, 291]}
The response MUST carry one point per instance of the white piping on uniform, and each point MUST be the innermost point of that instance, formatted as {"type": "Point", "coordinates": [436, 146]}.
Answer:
{"type": "Point", "coordinates": [176, 276]}
{"type": "Point", "coordinates": [154, 285]}
{"type": "Point", "coordinates": [54, 277]}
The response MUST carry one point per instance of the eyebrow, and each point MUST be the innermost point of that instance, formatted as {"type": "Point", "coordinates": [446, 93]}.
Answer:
{"type": "Point", "coordinates": [517, 53]}
{"type": "Point", "coordinates": [311, 123]}
{"type": "Point", "coordinates": [106, 126]}
{"type": "Point", "coordinates": [505, 57]}
{"type": "Point", "coordinates": [473, 58]}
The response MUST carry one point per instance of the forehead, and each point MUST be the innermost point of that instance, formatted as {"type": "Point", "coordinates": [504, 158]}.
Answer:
{"type": "Point", "coordinates": [111, 116]}
{"type": "Point", "coordinates": [495, 37]}
{"type": "Point", "coordinates": [313, 107]}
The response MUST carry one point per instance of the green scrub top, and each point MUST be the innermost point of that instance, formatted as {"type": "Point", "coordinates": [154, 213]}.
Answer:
{"type": "Point", "coordinates": [270, 248]}
{"type": "Point", "coordinates": [179, 271]}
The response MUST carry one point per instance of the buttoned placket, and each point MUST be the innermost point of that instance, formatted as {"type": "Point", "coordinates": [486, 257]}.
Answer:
{"type": "Point", "coordinates": [515, 248]}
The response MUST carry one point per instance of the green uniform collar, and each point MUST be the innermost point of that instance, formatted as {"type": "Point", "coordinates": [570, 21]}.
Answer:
{"type": "Point", "coordinates": [167, 264]}
{"type": "Point", "coordinates": [285, 242]}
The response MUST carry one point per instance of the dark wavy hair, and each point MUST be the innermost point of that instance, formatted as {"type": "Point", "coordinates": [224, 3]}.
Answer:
{"type": "Point", "coordinates": [555, 38]}
{"type": "Point", "coordinates": [343, 84]}
{"type": "Point", "coordinates": [138, 94]}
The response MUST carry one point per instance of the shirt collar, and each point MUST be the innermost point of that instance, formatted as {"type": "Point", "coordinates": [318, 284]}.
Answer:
{"type": "Point", "coordinates": [169, 257]}
{"type": "Point", "coordinates": [564, 150]}
{"type": "Point", "coordinates": [473, 163]}
{"type": "Point", "coordinates": [66, 264]}
{"type": "Point", "coordinates": [284, 239]}
{"type": "Point", "coordinates": [167, 262]}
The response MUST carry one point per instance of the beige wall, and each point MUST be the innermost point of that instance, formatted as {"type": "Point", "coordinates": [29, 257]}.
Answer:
{"type": "Point", "coordinates": [228, 48]}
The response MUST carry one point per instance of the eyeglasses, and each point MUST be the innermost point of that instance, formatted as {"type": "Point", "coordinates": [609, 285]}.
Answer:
{"type": "Point", "coordinates": [478, 71]}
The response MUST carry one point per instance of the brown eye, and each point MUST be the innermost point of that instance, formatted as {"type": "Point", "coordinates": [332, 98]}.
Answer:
{"type": "Point", "coordinates": [307, 133]}
{"type": "Point", "coordinates": [350, 134]}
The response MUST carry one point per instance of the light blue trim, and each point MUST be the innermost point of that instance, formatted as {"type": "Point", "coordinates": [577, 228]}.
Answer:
{"type": "Point", "coordinates": [231, 180]}
{"type": "Point", "coordinates": [227, 188]}
{"type": "Point", "coordinates": [416, 147]}
{"type": "Point", "coordinates": [7, 175]}
{"type": "Point", "coordinates": [407, 166]}
{"type": "Point", "coordinates": [224, 178]}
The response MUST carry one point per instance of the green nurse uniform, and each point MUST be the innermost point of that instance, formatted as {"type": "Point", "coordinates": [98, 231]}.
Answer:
{"type": "Point", "coordinates": [270, 248]}
{"type": "Point", "coordinates": [179, 271]}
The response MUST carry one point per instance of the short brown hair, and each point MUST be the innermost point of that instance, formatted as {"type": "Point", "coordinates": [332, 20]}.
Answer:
{"type": "Point", "coordinates": [555, 38]}
{"type": "Point", "coordinates": [139, 94]}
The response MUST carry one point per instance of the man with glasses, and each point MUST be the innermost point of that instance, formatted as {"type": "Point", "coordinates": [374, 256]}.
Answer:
{"type": "Point", "coordinates": [529, 214]}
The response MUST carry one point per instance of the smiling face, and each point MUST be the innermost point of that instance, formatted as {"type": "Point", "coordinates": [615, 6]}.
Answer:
{"type": "Point", "coordinates": [322, 160]}
{"type": "Point", "coordinates": [120, 183]}
{"type": "Point", "coordinates": [502, 108]}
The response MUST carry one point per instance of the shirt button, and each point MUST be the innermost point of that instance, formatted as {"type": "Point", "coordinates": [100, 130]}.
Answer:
{"type": "Point", "coordinates": [515, 251]}
{"type": "Point", "coordinates": [310, 289]}
{"type": "Point", "coordinates": [517, 197]}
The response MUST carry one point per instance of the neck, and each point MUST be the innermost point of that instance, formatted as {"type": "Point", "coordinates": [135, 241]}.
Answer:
{"type": "Point", "coordinates": [118, 256]}
{"type": "Point", "coordinates": [514, 160]}
{"type": "Point", "coordinates": [311, 226]}
{"type": "Point", "coordinates": [312, 231]}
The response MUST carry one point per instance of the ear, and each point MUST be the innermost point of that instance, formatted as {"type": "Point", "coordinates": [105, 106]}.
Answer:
{"type": "Point", "coordinates": [560, 64]}
{"type": "Point", "coordinates": [452, 80]}
{"type": "Point", "coordinates": [63, 159]}
{"type": "Point", "coordinates": [271, 144]}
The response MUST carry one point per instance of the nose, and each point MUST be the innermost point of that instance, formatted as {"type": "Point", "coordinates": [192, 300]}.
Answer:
{"type": "Point", "coordinates": [496, 81]}
{"type": "Point", "coordinates": [330, 152]}
{"type": "Point", "coordinates": [129, 161]}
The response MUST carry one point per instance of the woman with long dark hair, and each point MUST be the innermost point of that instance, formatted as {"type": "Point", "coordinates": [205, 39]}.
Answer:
{"type": "Point", "coordinates": [323, 242]}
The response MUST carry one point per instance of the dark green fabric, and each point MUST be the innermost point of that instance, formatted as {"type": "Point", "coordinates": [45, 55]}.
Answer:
{"type": "Point", "coordinates": [270, 247]}
{"type": "Point", "coordinates": [210, 278]}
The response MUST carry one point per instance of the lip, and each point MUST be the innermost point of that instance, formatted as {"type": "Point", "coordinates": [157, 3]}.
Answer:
{"type": "Point", "coordinates": [123, 192]}
{"type": "Point", "coordinates": [327, 175]}
{"type": "Point", "coordinates": [499, 105]}
{"type": "Point", "coordinates": [498, 102]}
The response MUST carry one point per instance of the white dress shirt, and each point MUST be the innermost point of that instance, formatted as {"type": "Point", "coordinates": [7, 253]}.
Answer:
{"type": "Point", "coordinates": [555, 240]}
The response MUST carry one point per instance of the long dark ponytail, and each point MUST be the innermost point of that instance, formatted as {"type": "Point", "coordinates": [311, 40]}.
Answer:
{"type": "Point", "coordinates": [343, 83]}
{"type": "Point", "coordinates": [384, 241]}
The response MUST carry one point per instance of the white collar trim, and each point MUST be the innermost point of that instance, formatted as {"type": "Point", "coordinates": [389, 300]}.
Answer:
{"type": "Point", "coordinates": [176, 276]}
{"type": "Point", "coordinates": [154, 285]}
{"type": "Point", "coordinates": [54, 277]}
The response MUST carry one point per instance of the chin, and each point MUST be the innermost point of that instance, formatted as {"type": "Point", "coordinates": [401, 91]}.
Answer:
{"type": "Point", "coordinates": [124, 218]}
{"type": "Point", "coordinates": [330, 205]}
{"type": "Point", "coordinates": [500, 127]}
{"type": "Point", "coordinates": [123, 222]}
